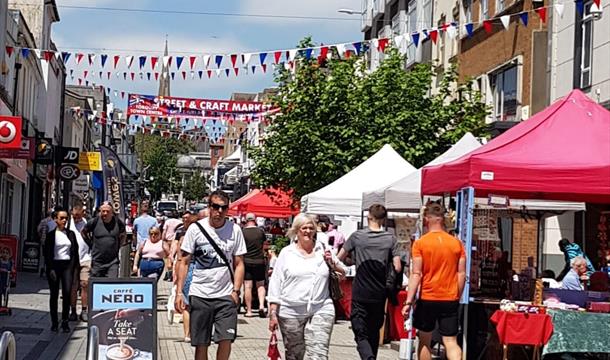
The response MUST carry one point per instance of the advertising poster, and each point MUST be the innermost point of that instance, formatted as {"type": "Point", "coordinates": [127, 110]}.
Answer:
{"type": "Point", "coordinates": [30, 259]}
{"type": "Point", "coordinates": [125, 313]}
{"type": "Point", "coordinates": [8, 259]}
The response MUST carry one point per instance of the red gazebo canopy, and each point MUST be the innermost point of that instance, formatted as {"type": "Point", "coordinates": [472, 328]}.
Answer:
{"type": "Point", "coordinates": [561, 153]}
{"type": "Point", "coordinates": [271, 203]}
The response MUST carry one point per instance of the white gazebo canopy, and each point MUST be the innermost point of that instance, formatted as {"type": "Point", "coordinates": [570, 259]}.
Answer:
{"type": "Point", "coordinates": [344, 195]}
{"type": "Point", "coordinates": [405, 193]}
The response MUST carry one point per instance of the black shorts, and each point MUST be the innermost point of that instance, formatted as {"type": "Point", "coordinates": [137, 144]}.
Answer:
{"type": "Point", "coordinates": [427, 313]}
{"type": "Point", "coordinates": [255, 272]}
{"type": "Point", "coordinates": [220, 313]}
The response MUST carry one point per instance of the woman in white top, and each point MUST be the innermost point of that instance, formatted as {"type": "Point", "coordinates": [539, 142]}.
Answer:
{"type": "Point", "coordinates": [299, 297]}
{"type": "Point", "coordinates": [61, 257]}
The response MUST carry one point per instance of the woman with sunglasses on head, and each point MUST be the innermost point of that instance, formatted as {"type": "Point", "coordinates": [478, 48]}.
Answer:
{"type": "Point", "coordinates": [61, 256]}
{"type": "Point", "coordinates": [151, 254]}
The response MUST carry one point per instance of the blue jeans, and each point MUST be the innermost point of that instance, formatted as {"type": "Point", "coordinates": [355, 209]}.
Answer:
{"type": "Point", "coordinates": [151, 268]}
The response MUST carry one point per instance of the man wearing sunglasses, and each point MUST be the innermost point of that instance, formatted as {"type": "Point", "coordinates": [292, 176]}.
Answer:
{"type": "Point", "coordinates": [217, 278]}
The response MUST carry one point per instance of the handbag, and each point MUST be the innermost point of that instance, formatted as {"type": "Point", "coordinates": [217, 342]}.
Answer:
{"type": "Point", "coordinates": [273, 353]}
{"type": "Point", "coordinates": [393, 281]}
{"type": "Point", "coordinates": [333, 282]}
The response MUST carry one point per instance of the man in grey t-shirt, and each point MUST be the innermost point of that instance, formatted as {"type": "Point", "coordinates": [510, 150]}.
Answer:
{"type": "Point", "coordinates": [213, 297]}
{"type": "Point", "coordinates": [105, 235]}
{"type": "Point", "coordinates": [372, 249]}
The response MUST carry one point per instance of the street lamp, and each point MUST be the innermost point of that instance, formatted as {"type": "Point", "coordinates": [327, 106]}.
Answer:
{"type": "Point", "coordinates": [350, 11]}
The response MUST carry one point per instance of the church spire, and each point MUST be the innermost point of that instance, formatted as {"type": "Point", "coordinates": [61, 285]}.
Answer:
{"type": "Point", "coordinates": [164, 80]}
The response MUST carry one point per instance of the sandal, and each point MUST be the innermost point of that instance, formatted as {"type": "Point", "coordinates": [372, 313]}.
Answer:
{"type": "Point", "coordinates": [249, 315]}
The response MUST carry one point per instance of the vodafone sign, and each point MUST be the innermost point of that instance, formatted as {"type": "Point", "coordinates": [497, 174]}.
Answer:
{"type": "Point", "coordinates": [10, 132]}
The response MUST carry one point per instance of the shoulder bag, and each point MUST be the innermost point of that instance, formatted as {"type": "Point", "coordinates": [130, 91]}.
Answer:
{"type": "Point", "coordinates": [333, 281]}
{"type": "Point", "coordinates": [220, 253]}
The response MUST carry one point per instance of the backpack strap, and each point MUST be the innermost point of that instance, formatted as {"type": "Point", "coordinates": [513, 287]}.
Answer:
{"type": "Point", "coordinates": [216, 248]}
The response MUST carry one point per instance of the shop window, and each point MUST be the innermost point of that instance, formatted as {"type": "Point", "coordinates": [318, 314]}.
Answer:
{"type": "Point", "coordinates": [396, 28]}
{"type": "Point", "coordinates": [484, 10]}
{"type": "Point", "coordinates": [504, 89]}
{"type": "Point", "coordinates": [583, 48]}
{"type": "Point", "coordinates": [427, 14]}
{"type": "Point", "coordinates": [467, 5]}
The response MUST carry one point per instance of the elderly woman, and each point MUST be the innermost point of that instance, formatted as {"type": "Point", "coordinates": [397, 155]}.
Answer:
{"type": "Point", "coordinates": [151, 254]}
{"type": "Point", "coordinates": [299, 295]}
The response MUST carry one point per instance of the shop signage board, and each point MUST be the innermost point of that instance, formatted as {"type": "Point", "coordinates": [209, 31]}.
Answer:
{"type": "Point", "coordinates": [25, 152]}
{"type": "Point", "coordinates": [10, 132]}
{"type": "Point", "coordinates": [30, 257]}
{"type": "Point", "coordinates": [124, 311]}
{"type": "Point", "coordinates": [68, 172]}
{"type": "Point", "coordinates": [81, 184]}
{"type": "Point", "coordinates": [44, 151]}
{"type": "Point", "coordinates": [8, 257]}
{"type": "Point", "coordinates": [67, 155]}
{"type": "Point", "coordinates": [90, 161]}
{"type": "Point", "coordinates": [465, 208]}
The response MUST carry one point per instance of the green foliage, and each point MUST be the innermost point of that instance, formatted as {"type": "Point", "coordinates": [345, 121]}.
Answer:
{"type": "Point", "coordinates": [196, 188]}
{"type": "Point", "coordinates": [159, 155]}
{"type": "Point", "coordinates": [335, 116]}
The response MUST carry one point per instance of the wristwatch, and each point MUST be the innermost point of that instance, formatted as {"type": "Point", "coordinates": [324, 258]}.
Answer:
{"type": "Point", "coordinates": [238, 292]}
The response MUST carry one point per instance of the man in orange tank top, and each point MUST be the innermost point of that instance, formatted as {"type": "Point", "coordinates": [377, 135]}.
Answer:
{"type": "Point", "coordinates": [439, 272]}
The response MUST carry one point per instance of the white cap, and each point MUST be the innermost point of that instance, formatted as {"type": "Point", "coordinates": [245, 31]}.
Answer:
{"type": "Point", "coordinates": [250, 217]}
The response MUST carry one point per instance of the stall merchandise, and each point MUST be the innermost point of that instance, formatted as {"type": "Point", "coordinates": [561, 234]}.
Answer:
{"type": "Point", "coordinates": [270, 203]}
{"type": "Point", "coordinates": [344, 195]}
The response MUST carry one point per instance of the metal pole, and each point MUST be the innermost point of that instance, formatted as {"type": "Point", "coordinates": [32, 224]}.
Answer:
{"type": "Point", "coordinates": [93, 343]}
{"type": "Point", "coordinates": [8, 347]}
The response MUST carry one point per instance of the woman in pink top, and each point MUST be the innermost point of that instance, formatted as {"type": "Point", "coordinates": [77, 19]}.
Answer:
{"type": "Point", "coordinates": [150, 255]}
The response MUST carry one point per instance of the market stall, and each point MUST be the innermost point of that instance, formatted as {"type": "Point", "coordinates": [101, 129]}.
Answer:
{"type": "Point", "coordinates": [561, 153]}
{"type": "Point", "coordinates": [269, 203]}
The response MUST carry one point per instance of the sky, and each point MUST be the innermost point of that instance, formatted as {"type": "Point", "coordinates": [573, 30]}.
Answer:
{"type": "Point", "coordinates": [136, 33]}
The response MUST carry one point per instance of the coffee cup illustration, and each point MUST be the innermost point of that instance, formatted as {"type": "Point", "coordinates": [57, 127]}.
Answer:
{"type": "Point", "coordinates": [121, 352]}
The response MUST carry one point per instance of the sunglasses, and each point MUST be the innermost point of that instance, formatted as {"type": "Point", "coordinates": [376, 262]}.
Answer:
{"type": "Point", "coordinates": [63, 218]}
{"type": "Point", "coordinates": [219, 207]}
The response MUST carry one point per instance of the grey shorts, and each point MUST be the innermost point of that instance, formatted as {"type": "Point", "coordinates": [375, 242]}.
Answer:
{"type": "Point", "coordinates": [219, 314]}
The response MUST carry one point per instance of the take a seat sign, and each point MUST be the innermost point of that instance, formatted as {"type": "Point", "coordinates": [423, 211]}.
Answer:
{"type": "Point", "coordinates": [10, 132]}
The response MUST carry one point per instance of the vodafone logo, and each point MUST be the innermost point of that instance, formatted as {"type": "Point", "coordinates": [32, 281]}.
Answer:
{"type": "Point", "coordinates": [8, 132]}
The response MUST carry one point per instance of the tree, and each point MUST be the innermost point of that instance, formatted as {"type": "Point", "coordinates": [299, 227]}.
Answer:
{"type": "Point", "coordinates": [335, 116]}
{"type": "Point", "coordinates": [159, 155]}
{"type": "Point", "coordinates": [196, 188]}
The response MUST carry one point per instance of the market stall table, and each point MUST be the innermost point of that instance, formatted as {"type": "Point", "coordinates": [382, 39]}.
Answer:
{"type": "Point", "coordinates": [578, 332]}
{"type": "Point", "coordinates": [522, 329]}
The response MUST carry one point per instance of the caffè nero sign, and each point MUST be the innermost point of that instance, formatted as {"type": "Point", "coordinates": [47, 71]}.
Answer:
{"type": "Point", "coordinates": [124, 311]}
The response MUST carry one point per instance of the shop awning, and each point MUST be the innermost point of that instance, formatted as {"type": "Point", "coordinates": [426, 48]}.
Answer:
{"type": "Point", "coordinates": [561, 153]}
{"type": "Point", "coordinates": [271, 203]}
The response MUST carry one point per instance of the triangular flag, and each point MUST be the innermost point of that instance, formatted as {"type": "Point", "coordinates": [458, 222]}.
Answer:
{"type": "Point", "coordinates": [80, 82]}
{"type": "Point", "coordinates": [104, 58]}
{"type": "Point", "coordinates": [166, 61]}
{"type": "Point", "coordinates": [227, 72]}
{"type": "Point", "coordinates": [153, 62]}
{"type": "Point", "coordinates": [292, 54]}
{"type": "Point", "coordinates": [469, 29]}
{"type": "Point", "coordinates": [383, 43]}
{"type": "Point", "coordinates": [129, 61]}
{"type": "Point", "coordinates": [179, 60]}
{"type": "Point", "coordinates": [541, 11]}
{"type": "Point", "coordinates": [524, 18]}
{"type": "Point", "coordinates": [47, 55]}
{"type": "Point", "coordinates": [79, 57]}
{"type": "Point", "coordinates": [580, 6]}
{"type": "Point", "coordinates": [133, 75]}
{"type": "Point", "coordinates": [340, 49]}
{"type": "Point", "coordinates": [71, 72]}
{"type": "Point", "coordinates": [245, 58]}
{"type": "Point", "coordinates": [597, 3]}
{"type": "Point", "coordinates": [398, 40]}
{"type": "Point", "coordinates": [433, 34]}
{"type": "Point", "coordinates": [116, 60]}
{"type": "Point", "coordinates": [184, 75]}
{"type": "Point", "coordinates": [487, 25]}
{"type": "Point", "coordinates": [148, 76]}
{"type": "Point", "coordinates": [206, 60]}
{"type": "Point", "coordinates": [253, 69]}
{"type": "Point", "coordinates": [85, 73]}
{"type": "Point", "coordinates": [236, 71]}
{"type": "Point", "coordinates": [37, 53]}
{"type": "Point", "coordinates": [559, 9]}
{"type": "Point", "coordinates": [122, 94]}
{"type": "Point", "coordinates": [65, 56]}
{"type": "Point", "coordinates": [9, 51]}
{"type": "Point", "coordinates": [142, 61]}
{"type": "Point", "coordinates": [262, 57]}
{"type": "Point", "coordinates": [156, 76]}
{"type": "Point", "coordinates": [91, 59]}
{"type": "Point", "coordinates": [101, 73]}
{"type": "Point", "coordinates": [264, 67]}
{"type": "Point", "coordinates": [192, 60]}
{"type": "Point", "coordinates": [505, 21]}
{"type": "Point", "coordinates": [233, 59]}
{"type": "Point", "coordinates": [277, 56]}
{"type": "Point", "coordinates": [200, 72]}
{"type": "Point", "coordinates": [108, 73]}
{"type": "Point", "coordinates": [415, 37]}
{"type": "Point", "coordinates": [451, 31]}
{"type": "Point", "coordinates": [218, 60]}
{"type": "Point", "coordinates": [323, 52]}
{"type": "Point", "coordinates": [308, 53]}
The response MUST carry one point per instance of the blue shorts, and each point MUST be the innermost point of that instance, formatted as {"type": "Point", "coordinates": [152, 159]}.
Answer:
{"type": "Point", "coordinates": [151, 268]}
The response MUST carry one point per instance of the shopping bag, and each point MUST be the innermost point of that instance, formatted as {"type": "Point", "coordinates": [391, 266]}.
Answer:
{"type": "Point", "coordinates": [170, 306]}
{"type": "Point", "coordinates": [273, 353]}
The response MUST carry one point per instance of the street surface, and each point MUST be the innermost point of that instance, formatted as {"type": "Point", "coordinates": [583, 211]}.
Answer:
{"type": "Point", "coordinates": [31, 325]}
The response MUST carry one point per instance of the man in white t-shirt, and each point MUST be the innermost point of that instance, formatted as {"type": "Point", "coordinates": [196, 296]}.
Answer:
{"type": "Point", "coordinates": [215, 287]}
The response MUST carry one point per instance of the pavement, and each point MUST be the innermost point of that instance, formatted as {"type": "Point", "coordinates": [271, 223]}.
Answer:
{"type": "Point", "coordinates": [31, 324]}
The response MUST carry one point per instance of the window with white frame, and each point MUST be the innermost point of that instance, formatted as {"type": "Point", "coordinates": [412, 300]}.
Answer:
{"type": "Point", "coordinates": [396, 28]}
{"type": "Point", "coordinates": [500, 5]}
{"type": "Point", "coordinates": [503, 85]}
{"type": "Point", "coordinates": [411, 27]}
{"type": "Point", "coordinates": [467, 5]}
{"type": "Point", "coordinates": [427, 21]}
{"type": "Point", "coordinates": [484, 10]}
{"type": "Point", "coordinates": [584, 47]}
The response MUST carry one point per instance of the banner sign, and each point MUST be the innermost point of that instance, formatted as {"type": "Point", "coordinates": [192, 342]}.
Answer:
{"type": "Point", "coordinates": [463, 229]}
{"type": "Point", "coordinates": [67, 155]}
{"type": "Point", "coordinates": [8, 260]}
{"type": "Point", "coordinates": [113, 181]}
{"type": "Point", "coordinates": [159, 106]}
{"type": "Point", "coordinates": [10, 132]}
{"type": "Point", "coordinates": [25, 152]}
{"type": "Point", "coordinates": [124, 312]}
{"type": "Point", "coordinates": [30, 259]}
{"type": "Point", "coordinates": [90, 161]}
